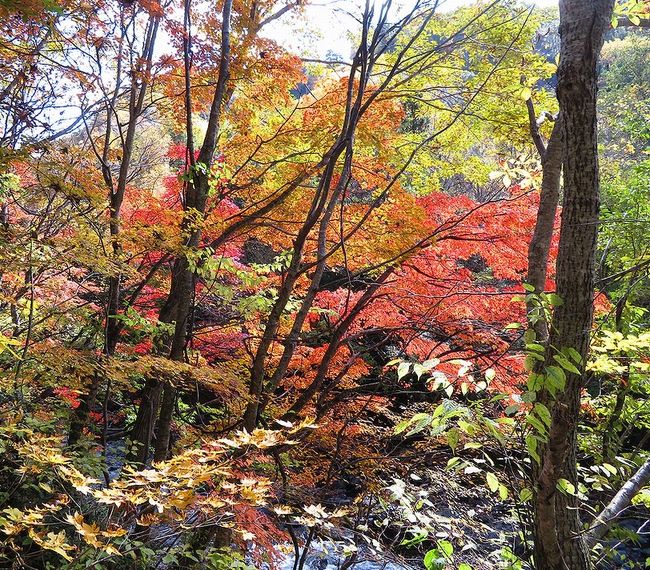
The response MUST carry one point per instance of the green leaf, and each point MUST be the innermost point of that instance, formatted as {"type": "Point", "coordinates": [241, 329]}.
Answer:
{"type": "Point", "coordinates": [564, 363]}
{"type": "Point", "coordinates": [512, 410]}
{"type": "Point", "coordinates": [453, 461]}
{"type": "Point", "coordinates": [574, 355]}
{"type": "Point", "coordinates": [528, 287]}
{"type": "Point", "coordinates": [538, 425]}
{"type": "Point", "coordinates": [554, 300]}
{"type": "Point", "coordinates": [529, 397]}
{"type": "Point", "coordinates": [401, 426]}
{"type": "Point", "coordinates": [610, 468]}
{"type": "Point", "coordinates": [420, 536]}
{"type": "Point", "coordinates": [529, 336]}
{"type": "Point", "coordinates": [492, 481]}
{"type": "Point", "coordinates": [525, 495]}
{"type": "Point", "coordinates": [433, 560]}
{"type": "Point", "coordinates": [556, 377]}
{"type": "Point", "coordinates": [453, 437]}
{"type": "Point", "coordinates": [543, 413]}
{"type": "Point", "coordinates": [439, 411]}
{"type": "Point", "coordinates": [421, 421]}
{"type": "Point", "coordinates": [403, 369]}
{"type": "Point", "coordinates": [446, 547]}
{"type": "Point", "coordinates": [566, 487]}
{"type": "Point", "coordinates": [531, 447]}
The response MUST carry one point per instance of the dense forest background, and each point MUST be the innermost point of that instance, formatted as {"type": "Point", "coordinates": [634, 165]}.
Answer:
{"type": "Point", "coordinates": [265, 308]}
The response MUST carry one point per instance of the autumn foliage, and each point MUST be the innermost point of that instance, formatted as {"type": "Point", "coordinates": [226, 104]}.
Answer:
{"type": "Point", "coordinates": [249, 310]}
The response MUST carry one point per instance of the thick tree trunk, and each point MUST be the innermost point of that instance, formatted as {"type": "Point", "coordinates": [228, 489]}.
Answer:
{"type": "Point", "coordinates": [163, 432]}
{"type": "Point", "coordinates": [142, 432]}
{"type": "Point", "coordinates": [559, 544]}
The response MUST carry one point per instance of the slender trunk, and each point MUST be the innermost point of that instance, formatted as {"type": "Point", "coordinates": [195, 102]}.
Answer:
{"type": "Point", "coordinates": [559, 544]}
{"type": "Point", "coordinates": [256, 386]}
{"type": "Point", "coordinates": [540, 243]}
{"type": "Point", "coordinates": [611, 441]}
{"type": "Point", "coordinates": [335, 342]}
{"type": "Point", "coordinates": [139, 88]}
{"type": "Point", "coordinates": [137, 95]}
{"type": "Point", "coordinates": [178, 306]}
{"type": "Point", "coordinates": [619, 503]}
{"type": "Point", "coordinates": [323, 204]}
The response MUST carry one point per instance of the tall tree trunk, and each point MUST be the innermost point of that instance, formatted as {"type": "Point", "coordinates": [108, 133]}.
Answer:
{"type": "Point", "coordinates": [177, 308]}
{"type": "Point", "coordinates": [540, 243]}
{"type": "Point", "coordinates": [117, 191]}
{"type": "Point", "coordinates": [559, 544]}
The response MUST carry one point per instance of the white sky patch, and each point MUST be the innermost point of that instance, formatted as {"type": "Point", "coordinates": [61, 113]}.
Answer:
{"type": "Point", "coordinates": [328, 27]}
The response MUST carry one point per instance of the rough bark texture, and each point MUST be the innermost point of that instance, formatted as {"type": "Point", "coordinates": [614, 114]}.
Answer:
{"type": "Point", "coordinates": [540, 243]}
{"type": "Point", "coordinates": [144, 422]}
{"type": "Point", "coordinates": [559, 544]}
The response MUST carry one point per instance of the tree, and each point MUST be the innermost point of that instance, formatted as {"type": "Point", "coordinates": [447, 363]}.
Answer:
{"type": "Point", "coordinates": [558, 530]}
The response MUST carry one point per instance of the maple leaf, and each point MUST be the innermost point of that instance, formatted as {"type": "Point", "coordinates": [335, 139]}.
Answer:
{"type": "Point", "coordinates": [53, 541]}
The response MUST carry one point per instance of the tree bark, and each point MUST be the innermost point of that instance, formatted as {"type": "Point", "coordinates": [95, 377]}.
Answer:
{"type": "Point", "coordinates": [140, 441]}
{"type": "Point", "coordinates": [559, 544]}
{"type": "Point", "coordinates": [619, 503]}
{"type": "Point", "coordinates": [540, 244]}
